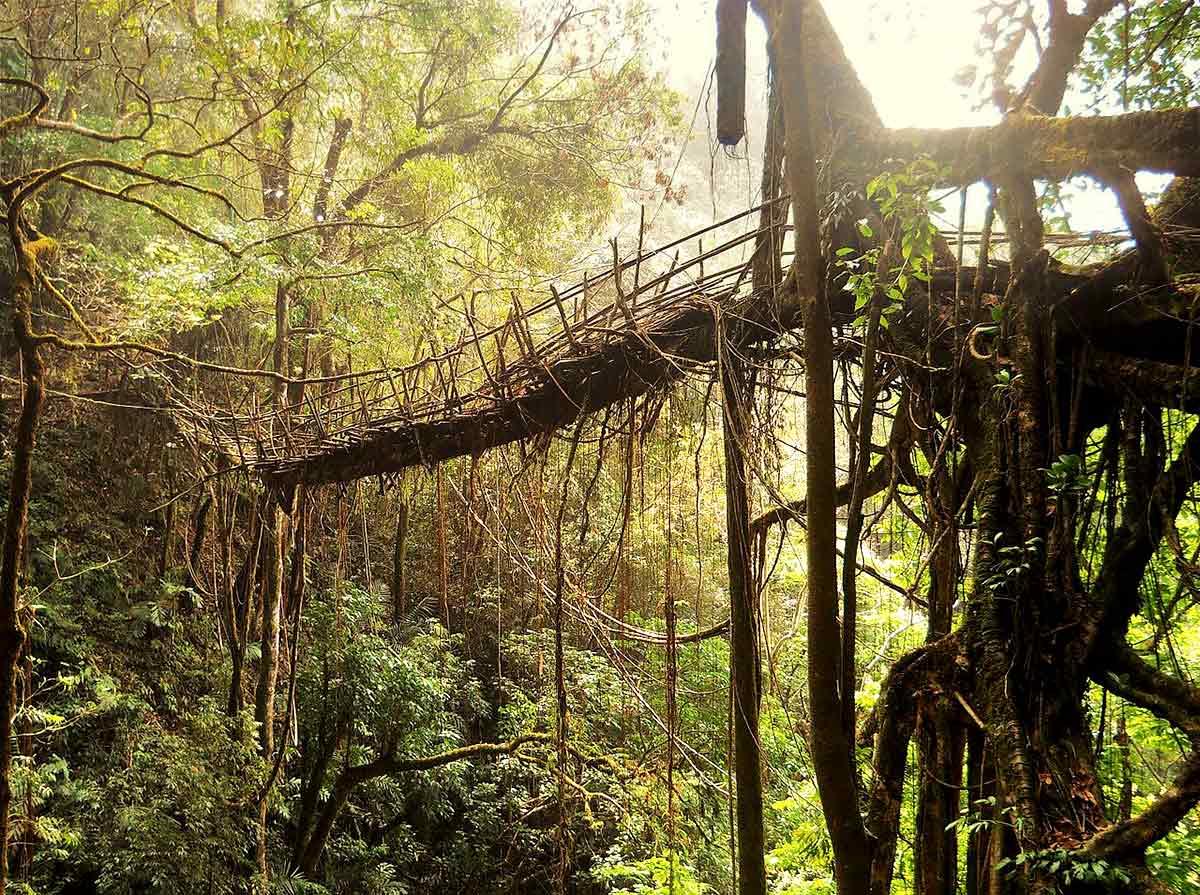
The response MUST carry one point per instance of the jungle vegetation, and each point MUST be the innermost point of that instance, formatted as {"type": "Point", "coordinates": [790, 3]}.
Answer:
{"type": "Point", "coordinates": [397, 500]}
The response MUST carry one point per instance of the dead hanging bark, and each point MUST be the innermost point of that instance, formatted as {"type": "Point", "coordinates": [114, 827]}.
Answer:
{"type": "Point", "coordinates": [731, 71]}
{"type": "Point", "coordinates": [12, 632]}
{"type": "Point", "coordinates": [831, 749]}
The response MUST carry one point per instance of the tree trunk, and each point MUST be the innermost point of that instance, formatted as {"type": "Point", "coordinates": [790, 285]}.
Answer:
{"type": "Point", "coordinates": [443, 550]}
{"type": "Point", "coordinates": [743, 639]}
{"type": "Point", "coordinates": [268, 673]}
{"type": "Point", "coordinates": [941, 739]}
{"type": "Point", "coordinates": [12, 632]}
{"type": "Point", "coordinates": [832, 750]}
{"type": "Point", "coordinates": [1125, 800]}
{"type": "Point", "coordinates": [314, 846]}
{"type": "Point", "coordinates": [400, 564]}
{"type": "Point", "coordinates": [238, 606]}
{"type": "Point", "coordinates": [940, 763]}
{"type": "Point", "coordinates": [264, 698]}
{"type": "Point", "coordinates": [191, 582]}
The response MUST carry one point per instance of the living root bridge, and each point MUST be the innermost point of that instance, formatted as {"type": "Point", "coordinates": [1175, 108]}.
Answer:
{"type": "Point", "coordinates": [647, 336]}
{"type": "Point", "coordinates": [610, 339]}
{"type": "Point", "coordinates": [559, 393]}
{"type": "Point", "coordinates": [548, 388]}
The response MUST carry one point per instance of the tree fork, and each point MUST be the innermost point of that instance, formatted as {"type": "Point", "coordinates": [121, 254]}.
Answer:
{"type": "Point", "coordinates": [390, 763]}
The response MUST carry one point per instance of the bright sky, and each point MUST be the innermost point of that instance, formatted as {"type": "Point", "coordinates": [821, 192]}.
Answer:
{"type": "Point", "coordinates": [908, 57]}
{"type": "Point", "coordinates": [906, 53]}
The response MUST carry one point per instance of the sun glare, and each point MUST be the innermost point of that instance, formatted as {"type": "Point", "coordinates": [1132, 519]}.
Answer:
{"type": "Point", "coordinates": [908, 55]}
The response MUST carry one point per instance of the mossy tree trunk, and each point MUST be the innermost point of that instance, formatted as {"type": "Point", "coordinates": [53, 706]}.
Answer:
{"type": "Point", "coordinates": [29, 254]}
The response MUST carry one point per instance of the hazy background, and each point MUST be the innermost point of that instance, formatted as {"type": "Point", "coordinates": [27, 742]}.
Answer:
{"type": "Point", "coordinates": [907, 55]}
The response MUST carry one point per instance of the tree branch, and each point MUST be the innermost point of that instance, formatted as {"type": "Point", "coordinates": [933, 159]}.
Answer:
{"type": "Point", "coordinates": [1131, 838]}
{"type": "Point", "coordinates": [30, 115]}
{"type": "Point", "coordinates": [389, 763]}
{"type": "Point", "coordinates": [1132, 678]}
{"type": "Point", "coordinates": [1040, 147]}
{"type": "Point", "coordinates": [1133, 546]}
{"type": "Point", "coordinates": [333, 156]}
{"type": "Point", "coordinates": [1068, 35]}
{"type": "Point", "coordinates": [1141, 226]}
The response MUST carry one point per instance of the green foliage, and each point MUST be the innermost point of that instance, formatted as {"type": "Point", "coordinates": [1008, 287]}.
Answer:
{"type": "Point", "coordinates": [659, 875]}
{"type": "Point", "coordinates": [183, 811]}
{"type": "Point", "coordinates": [983, 816]}
{"type": "Point", "coordinates": [905, 205]}
{"type": "Point", "coordinates": [1064, 868]}
{"type": "Point", "coordinates": [1003, 382]}
{"type": "Point", "coordinates": [1176, 859]}
{"type": "Point", "coordinates": [1012, 562]}
{"type": "Point", "coordinates": [1143, 58]}
{"type": "Point", "coordinates": [1067, 476]}
{"type": "Point", "coordinates": [410, 695]}
{"type": "Point", "coordinates": [798, 864]}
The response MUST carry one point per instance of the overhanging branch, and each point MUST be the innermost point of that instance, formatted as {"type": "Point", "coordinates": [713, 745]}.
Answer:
{"type": "Point", "coordinates": [1129, 676]}
{"type": "Point", "coordinates": [1044, 148]}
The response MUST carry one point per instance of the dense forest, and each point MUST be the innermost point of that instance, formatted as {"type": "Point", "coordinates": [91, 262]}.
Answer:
{"type": "Point", "coordinates": [520, 447]}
